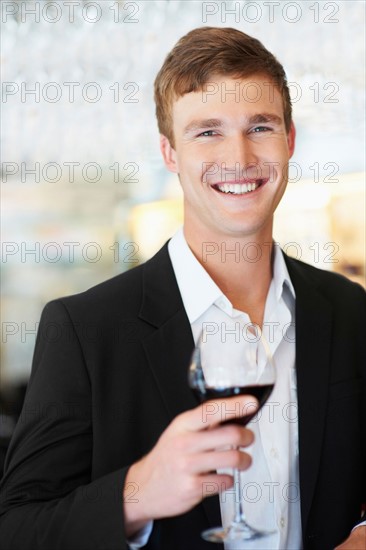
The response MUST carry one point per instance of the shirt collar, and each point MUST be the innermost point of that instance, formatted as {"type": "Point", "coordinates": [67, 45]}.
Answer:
{"type": "Point", "coordinates": [199, 291]}
{"type": "Point", "coordinates": [281, 277]}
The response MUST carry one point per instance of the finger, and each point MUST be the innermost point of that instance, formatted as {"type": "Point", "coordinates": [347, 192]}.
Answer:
{"type": "Point", "coordinates": [230, 435]}
{"type": "Point", "coordinates": [216, 411]}
{"type": "Point", "coordinates": [212, 484]}
{"type": "Point", "coordinates": [215, 460]}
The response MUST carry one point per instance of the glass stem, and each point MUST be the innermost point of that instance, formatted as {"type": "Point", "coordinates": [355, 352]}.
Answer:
{"type": "Point", "coordinates": [239, 510]}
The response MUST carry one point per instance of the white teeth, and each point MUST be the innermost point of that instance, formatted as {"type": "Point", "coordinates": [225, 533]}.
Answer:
{"type": "Point", "coordinates": [237, 188]}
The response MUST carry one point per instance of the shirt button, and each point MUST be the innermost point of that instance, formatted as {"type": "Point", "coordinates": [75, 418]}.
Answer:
{"type": "Point", "coordinates": [274, 452]}
{"type": "Point", "coordinates": [282, 522]}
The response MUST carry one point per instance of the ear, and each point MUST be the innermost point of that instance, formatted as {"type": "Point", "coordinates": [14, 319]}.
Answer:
{"type": "Point", "coordinates": [291, 139]}
{"type": "Point", "coordinates": [169, 154]}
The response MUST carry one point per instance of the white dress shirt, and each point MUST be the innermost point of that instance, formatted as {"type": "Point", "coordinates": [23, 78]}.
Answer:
{"type": "Point", "coordinates": [271, 492]}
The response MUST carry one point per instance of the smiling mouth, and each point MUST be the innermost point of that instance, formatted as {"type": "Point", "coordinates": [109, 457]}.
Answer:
{"type": "Point", "coordinates": [239, 188]}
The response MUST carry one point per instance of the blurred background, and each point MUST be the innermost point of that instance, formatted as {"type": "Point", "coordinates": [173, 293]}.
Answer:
{"type": "Point", "coordinates": [85, 195]}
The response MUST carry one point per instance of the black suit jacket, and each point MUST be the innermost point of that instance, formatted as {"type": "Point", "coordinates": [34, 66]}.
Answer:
{"type": "Point", "coordinates": [110, 373]}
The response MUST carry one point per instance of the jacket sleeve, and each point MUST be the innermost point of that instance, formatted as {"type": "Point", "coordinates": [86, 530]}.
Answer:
{"type": "Point", "coordinates": [49, 500]}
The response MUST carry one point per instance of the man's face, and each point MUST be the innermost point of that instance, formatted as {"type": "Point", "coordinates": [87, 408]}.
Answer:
{"type": "Point", "coordinates": [231, 153]}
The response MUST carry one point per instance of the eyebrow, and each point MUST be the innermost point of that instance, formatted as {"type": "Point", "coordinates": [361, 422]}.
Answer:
{"type": "Point", "coordinates": [265, 117]}
{"type": "Point", "coordinates": [204, 123]}
{"type": "Point", "coordinates": [217, 123]}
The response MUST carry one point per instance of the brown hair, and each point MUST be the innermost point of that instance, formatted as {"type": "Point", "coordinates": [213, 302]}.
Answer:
{"type": "Point", "coordinates": [206, 51]}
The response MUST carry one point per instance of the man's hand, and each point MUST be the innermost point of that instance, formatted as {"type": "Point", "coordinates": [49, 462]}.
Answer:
{"type": "Point", "coordinates": [356, 540]}
{"type": "Point", "coordinates": [181, 469]}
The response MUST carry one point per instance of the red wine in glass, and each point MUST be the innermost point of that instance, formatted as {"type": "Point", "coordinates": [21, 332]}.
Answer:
{"type": "Point", "coordinates": [261, 392]}
{"type": "Point", "coordinates": [222, 369]}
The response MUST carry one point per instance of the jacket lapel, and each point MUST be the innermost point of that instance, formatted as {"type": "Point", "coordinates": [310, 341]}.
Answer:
{"type": "Point", "coordinates": [313, 341]}
{"type": "Point", "coordinates": [169, 347]}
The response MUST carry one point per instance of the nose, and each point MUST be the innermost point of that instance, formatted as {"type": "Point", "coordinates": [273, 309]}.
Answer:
{"type": "Point", "coordinates": [239, 157]}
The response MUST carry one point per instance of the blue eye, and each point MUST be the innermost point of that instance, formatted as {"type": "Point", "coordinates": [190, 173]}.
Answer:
{"type": "Point", "coordinates": [259, 129]}
{"type": "Point", "coordinates": [207, 133]}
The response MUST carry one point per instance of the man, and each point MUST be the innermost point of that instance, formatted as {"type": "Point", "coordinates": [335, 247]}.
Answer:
{"type": "Point", "coordinates": [112, 449]}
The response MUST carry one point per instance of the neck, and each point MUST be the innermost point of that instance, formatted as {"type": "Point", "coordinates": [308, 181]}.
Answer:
{"type": "Point", "coordinates": [240, 266]}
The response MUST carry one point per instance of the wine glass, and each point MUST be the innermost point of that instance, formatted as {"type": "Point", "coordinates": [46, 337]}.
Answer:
{"type": "Point", "coordinates": [224, 367]}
